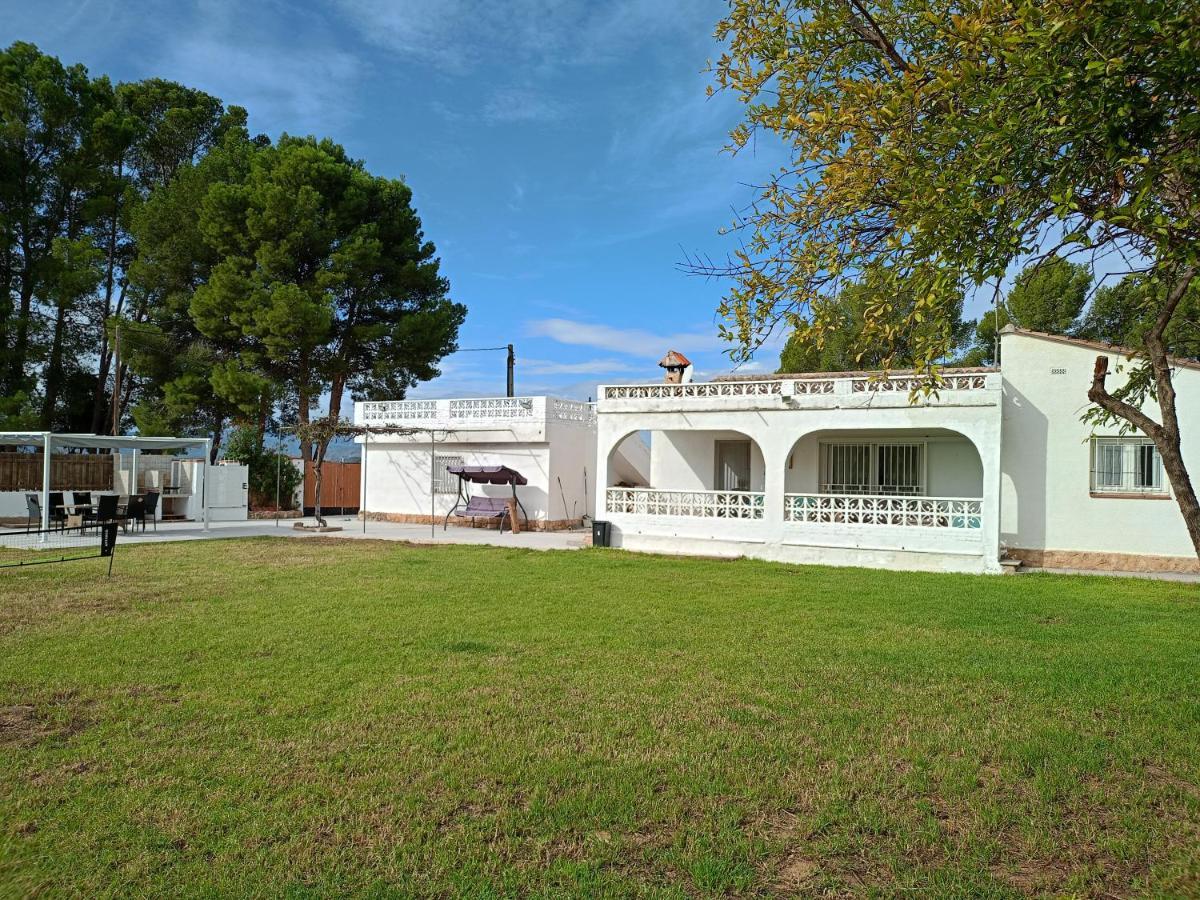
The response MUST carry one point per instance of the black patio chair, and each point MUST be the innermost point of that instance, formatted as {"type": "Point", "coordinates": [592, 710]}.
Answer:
{"type": "Point", "coordinates": [58, 515]}
{"type": "Point", "coordinates": [151, 508]}
{"type": "Point", "coordinates": [106, 509]}
{"type": "Point", "coordinates": [33, 512]}
{"type": "Point", "coordinates": [135, 511]}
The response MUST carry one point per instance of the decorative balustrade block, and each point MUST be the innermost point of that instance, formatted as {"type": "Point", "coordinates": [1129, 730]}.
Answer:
{"type": "Point", "coordinates": [694, 504]}
{"type": "Point", "coordinates": [699, 389]}
{"type": "Point", "coordinates": [857, 509]}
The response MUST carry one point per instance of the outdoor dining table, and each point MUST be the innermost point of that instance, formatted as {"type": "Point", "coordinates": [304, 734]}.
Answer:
{"type": "Point", "coordinates": [76, 519]}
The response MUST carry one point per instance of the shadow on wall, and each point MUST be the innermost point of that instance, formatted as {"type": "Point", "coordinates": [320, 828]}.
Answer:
{"type": "Point", "coordinates": [1023, 467]}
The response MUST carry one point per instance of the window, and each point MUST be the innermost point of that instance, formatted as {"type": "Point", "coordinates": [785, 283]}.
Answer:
{"type": "Point", "coordinates": [443, 481]}
{"type": "Point", "coordinates": [873, 468]}
{"type": "Point", "coordinates": [1126, 465]}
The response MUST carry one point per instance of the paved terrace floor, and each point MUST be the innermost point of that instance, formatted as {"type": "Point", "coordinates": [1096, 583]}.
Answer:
{"type": "Point", "coordinates": [352, 528]}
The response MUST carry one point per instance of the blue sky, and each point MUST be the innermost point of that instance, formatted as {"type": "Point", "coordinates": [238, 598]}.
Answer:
{"type": "Point", "coordinates": [563, 155]}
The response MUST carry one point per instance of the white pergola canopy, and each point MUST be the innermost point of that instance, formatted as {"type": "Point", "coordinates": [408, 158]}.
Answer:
{"type": "Point", "coordinates": [48, 442]}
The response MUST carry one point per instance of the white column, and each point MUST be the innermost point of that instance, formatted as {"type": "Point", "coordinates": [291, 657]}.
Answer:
{"type": "Point", "coordinates": [987, 443]}
{"type": "Point", "coordinates": [47, 444]}
{"type": "Point", "coordinates": [774, 448]}
{"type": "Point", "coordinates": [204, 481]}
{"type": "Point", "coordinates": [133, 485]}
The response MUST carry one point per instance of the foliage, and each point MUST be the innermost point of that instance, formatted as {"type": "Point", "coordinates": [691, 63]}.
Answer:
{"type": "Point", "coordinates": [239, 280]}
{"type": "Point", "coordinates": [846, 347]}
{"type": "Point", "coordinates": [320, 283]}
{"type": "Point", "coordinates": [934, 148]}
{"type": "Point", "coordinates": [1117, 315]}
{"type": "Point", "coordinates": [350, 717]}
{"type": "Point", "coordinates": [78, 157]}
{"type": "Point", "coordinates": [272, 473]}
{"type": "Point", "coordinates": [1050, 295]}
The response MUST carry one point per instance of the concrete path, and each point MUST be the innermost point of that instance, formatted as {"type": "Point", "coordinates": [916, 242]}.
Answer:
{"type": "Point", "coordinates": [352, 529]}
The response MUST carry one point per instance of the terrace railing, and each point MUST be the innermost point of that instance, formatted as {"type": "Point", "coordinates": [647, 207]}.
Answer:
{"type": "Point", "coordinates": [962, 513]}
{"type": "Point", "coordinates": [840, 384]}
{"type": "Point", "coordinates": [692, 504]}
{"type": "Point", "coordinates": [476, 410]}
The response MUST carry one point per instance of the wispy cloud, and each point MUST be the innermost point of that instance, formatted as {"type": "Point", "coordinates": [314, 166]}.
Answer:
{"type": "Point", "coordinates": [522, 105]}
{"type": "Point", "coordinates": [629, 341]}
{"type": "Point", "coordinates": [301, 83]}
{"type": "Point", "coordinates": [457, 35]}
{"type": "Point", "coordinates": [579, 367]}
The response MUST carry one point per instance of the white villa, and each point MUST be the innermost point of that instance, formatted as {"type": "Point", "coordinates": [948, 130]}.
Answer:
{"type": "Point", "coordinates": [841, 468]}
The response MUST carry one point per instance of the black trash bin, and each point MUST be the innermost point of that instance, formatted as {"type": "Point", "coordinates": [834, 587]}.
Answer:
{"type": "Point", "coordinates": [601, 533]}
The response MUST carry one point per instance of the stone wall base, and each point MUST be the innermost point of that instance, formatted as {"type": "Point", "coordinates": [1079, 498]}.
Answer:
{"type": "Point", "coordinates": [271, 514]}
{"type": "Point", "coordinates": [1103, 562]}
{"type": "Point", "coordinates": [417, 519]}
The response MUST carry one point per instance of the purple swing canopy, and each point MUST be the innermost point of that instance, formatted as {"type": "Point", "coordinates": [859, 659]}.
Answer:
{"type": "Point", "coordinates": [488, 474]}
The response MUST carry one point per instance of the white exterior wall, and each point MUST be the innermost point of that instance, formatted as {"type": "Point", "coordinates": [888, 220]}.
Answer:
{"type": "Point", "coordinates": [572, 483]}
{"type": "Point", "coordinates": [398, 475]}
{"type": "Point", "coordinates": [546, 439]}
{"type": "Point", "coordinates": [1046, 459]}
{"type": "Point", "coordinates": [687, 460]}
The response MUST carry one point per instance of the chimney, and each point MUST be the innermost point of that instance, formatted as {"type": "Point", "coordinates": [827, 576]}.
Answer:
{"type": "Point", "coordinates": [678, 367]}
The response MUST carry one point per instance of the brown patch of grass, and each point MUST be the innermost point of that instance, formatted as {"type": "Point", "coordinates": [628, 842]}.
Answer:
{"type": "Point", "coordinates": [1031, 877]}
{"type": "Point", "coordinates": [26, 724]}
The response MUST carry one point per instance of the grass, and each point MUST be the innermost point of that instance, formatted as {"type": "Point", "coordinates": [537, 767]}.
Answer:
{"type": "Point", "coordinates": [308, 718]}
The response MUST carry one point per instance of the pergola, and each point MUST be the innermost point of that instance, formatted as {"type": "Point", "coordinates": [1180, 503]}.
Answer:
{"type": "Point", "coordinates": [50, 442]}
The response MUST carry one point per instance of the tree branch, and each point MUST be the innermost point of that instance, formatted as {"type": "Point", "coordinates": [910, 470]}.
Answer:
{"type": "Point", "coordinates": [873, 34]}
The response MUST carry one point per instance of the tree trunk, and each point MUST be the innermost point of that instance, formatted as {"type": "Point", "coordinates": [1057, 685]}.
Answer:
{"type": "Point", "coordinates": [53, 374]}
{"type": "Point", "coordinates": [1165, 435]}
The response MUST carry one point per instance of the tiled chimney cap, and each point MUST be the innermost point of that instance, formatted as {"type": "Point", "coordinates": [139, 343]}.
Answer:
{"type": "Point", "coordinates": [674, 360]}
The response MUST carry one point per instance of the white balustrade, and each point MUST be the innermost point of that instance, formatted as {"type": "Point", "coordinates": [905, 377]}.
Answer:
{"type": "Point", "coordinates": [696, 504]}
{"type": "Point", "coordinates": [974, 381]}
{"type": "Point", "coordinates": [572, 410]}
{"type": "Point", "coordinates": [493, 408]}
{"type": "Point", "coordinates": [476, 410]}
{"type": "Point", "coordinates": [878, 509]}
{"type": "Point", "coordinates": [699, 389]}
{"type": "Point", "coordinates": [818, 385]}
{"type": "Point", "coordinates": [399, 410]}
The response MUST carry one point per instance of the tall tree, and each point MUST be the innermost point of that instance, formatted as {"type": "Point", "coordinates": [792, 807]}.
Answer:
{"type": "Point", "coordinates": [842, 345]}
{"type": "Point", "coordinates": [46, 111]}
{"type": "Point", "coordinates": [940, 145]}
{"type": "Point", "coordinates": [1048, 295]}
{"type": "Point", "coordinates": [324, 282]}
{"type": "Point", "coordinates": [180, 366]}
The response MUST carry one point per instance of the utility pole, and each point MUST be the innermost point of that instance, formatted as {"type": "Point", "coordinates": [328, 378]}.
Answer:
{"type": "Point", "coordinates": [512, 362]}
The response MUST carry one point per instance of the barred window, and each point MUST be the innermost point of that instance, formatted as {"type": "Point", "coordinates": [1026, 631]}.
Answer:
{"type": "Point", "coordinates": [870, 468]}
{"type": "Point", "coordinates": [443, 481]}
{"type": "Point", "coordinates": [1126, 465]}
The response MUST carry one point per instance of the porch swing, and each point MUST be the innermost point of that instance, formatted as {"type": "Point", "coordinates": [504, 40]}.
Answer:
{"type": "Point", "coordinates": [483, 507]}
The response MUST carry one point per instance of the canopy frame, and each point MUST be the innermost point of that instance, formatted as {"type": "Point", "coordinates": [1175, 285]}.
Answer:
{"type": "Point", "coordinates": [49, 441]}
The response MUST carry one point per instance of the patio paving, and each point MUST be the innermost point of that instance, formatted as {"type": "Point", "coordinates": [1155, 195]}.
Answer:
{"type": "Point", "coordinates": [352, 528]}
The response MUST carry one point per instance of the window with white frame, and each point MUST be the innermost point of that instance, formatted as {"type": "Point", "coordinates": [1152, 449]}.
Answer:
{"type": "Point", "coordinates": [443, 481]}
{"type": "Point", "coordinates": [873, 468]}
{"type": "Point", "coordinates": [1126, 465]}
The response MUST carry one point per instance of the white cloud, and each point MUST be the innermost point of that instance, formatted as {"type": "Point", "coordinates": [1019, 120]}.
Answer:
{"type": "Point", "coordinates": [629, 341]}
{"type": "Point", "coordinates": [296, 82]}
{"type": "Point", "coordinates": [522, 105]}
{"type": "Point", "coordinates": [580, 367]}
{"type": "Point", "coordinates": [459, 35]}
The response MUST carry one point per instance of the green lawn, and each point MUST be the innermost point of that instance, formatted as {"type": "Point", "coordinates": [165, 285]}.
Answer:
{"type": "Point", "coordinates": [328, 717]}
